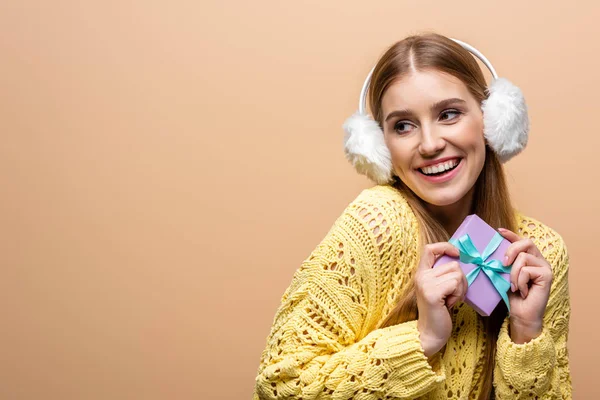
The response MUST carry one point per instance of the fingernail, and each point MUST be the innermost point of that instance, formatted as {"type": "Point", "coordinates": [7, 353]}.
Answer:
{"type": "Point", "coordinates": [505, 262]}
{"type": "Point", "coordinates": [501, 229]}
{"type": "Point", "coordinates": [512, 287]}
{"type": "Point", "coordinates": [522, 295]}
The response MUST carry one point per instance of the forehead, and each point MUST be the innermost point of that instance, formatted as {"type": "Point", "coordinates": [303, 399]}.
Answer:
{"type": "Point", "coordinates": [419, 89]}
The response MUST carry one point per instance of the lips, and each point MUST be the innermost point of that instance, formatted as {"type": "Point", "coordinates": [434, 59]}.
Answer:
{"type": "Point", "coordinates": [441, 167]}
{"type": "Point", "coordinates": [444, 177]}
{"type": "Point", "coordinates": [451, 164]}
{"type": "Point", "coordinates": [436, 162]}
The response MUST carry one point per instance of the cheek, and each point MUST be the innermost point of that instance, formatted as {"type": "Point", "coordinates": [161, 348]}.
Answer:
{"type": "Point", "coordinates": [473, 137]}
{"type": "Point", "coordinates": [399, 153]}
{"type": "Point", "coordinates": [476, 146]}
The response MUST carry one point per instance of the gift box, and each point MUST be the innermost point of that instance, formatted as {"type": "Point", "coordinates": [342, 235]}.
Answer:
{"type": "Point", "coordinates": [482, 250]}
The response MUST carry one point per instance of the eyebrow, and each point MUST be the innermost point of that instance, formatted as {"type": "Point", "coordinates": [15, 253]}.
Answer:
{"type": "Point", "coordinates": [434, 107]}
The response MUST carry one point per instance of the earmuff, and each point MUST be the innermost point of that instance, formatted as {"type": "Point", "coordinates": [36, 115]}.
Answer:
{"type": "Point", "coordinates": [505, 121]}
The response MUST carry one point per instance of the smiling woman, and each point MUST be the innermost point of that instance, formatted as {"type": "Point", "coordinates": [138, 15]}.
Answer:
{"type": "Point", "coordinates": [366, 315]}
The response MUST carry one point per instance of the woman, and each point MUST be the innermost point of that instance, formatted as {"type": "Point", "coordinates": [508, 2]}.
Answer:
{"type": "Point", "coordinates": [366, 316]}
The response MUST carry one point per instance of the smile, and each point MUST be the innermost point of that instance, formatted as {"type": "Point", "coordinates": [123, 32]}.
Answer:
{"type": "Point", "coordinates": [442, 172]}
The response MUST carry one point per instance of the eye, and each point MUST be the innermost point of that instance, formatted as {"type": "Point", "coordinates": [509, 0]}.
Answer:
{"type": "Point", "coordinates": [450, 112]}
{"type": "Point", "coordinates": [402, 127]}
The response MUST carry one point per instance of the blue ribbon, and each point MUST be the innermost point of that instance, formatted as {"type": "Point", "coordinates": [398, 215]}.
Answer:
{"type": "Point", "coordinates": [492, 268]}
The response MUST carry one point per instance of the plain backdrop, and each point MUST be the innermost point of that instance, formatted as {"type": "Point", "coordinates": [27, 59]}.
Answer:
{"type": "Point", "coordinates": [166, 166]}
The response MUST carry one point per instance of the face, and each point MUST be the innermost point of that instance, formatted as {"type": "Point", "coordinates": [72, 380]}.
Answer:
{"type": "Point", "coordinates": [433, 128]}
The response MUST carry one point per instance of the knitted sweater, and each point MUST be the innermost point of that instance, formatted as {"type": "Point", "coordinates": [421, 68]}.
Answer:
{"type": "Point", "coordinates": [324, 342]}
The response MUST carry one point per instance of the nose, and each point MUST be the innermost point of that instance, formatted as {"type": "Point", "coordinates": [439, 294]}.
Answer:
{"type": "Point", "coordinates": [431, 142]}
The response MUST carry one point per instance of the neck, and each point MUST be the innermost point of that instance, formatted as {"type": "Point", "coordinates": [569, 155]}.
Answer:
{"type": "Point", "coordinates": [452, 215]}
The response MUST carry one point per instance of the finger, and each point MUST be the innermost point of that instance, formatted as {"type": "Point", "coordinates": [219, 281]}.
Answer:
{"type": "Point", "coordinates": [453, 266]}
{"type": "Point", "coordinates": [433, 275]}
{"type": "Point", "coordinates": [509, 235]}
{"type": "Point", "coordinates": [452, 300]}
{"type": "Point", "coordinates": [523, 280]}
{"type": "Point", "coordinates": [458, 295]}
{"type": "Point", "coordinates": [450, 291]}
{"type": "Point", "coordinates": [464, 284]}
{"type": "Point", "coordinates": [539, 274]}
{"type": "Point", "coordinates": [459, 280]}
{"type": "Point", "coordinates": [522, 260]}
{"type": "Point", "coordinates": [434, 250]}
{"type": "Point", "coordinates": [457, 276]}
{"type": "Point", "coordinates": [519, 263]}
{"type": "Point", "coordinates": [525, 245]}
{"type": "Point", "coordinates": [532, 270]}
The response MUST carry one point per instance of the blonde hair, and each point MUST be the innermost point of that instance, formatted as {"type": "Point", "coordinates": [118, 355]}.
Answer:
{"type": "Point", "coordinates": [491, 200]}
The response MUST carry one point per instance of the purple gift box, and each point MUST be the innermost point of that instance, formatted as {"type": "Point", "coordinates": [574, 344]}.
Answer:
{"type": "Point", "coordinates": [481, 294]}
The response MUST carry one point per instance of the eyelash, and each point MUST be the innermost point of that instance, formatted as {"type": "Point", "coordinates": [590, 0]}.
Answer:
{"type": "Point", "coordinates": [449, 111]}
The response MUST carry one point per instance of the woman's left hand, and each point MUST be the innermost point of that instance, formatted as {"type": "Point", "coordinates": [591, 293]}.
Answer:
{"type": "Point", "coordinates": [531, 275]}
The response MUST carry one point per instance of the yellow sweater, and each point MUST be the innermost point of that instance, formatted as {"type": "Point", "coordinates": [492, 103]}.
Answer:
{"type": "Point", "coordinates": [324, 343]}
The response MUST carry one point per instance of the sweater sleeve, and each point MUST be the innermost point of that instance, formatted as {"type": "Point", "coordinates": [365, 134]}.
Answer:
{"type": "Point", "coordinates": [315, 349]}
{"type": "Point", "coordinates": [539, 369]}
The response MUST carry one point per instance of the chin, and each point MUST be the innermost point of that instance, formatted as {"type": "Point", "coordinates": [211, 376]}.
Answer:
{"type": "Point", "coordinates": [444, 199]}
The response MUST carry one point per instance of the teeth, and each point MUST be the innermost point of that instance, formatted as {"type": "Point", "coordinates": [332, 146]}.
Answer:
{"type": "Point", "coordinates": [440, 167]}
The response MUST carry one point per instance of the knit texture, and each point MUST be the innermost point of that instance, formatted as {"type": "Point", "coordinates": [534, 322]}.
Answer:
{"type": "Point", "coordinates": [324, 342]}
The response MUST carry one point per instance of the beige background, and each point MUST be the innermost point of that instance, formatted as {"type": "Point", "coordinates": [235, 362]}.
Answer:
{"type": "Point", "coordinates": [166, 166]}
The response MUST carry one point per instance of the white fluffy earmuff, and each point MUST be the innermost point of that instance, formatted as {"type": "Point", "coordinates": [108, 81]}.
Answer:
{"type": "Point", "coordinates": [505, 120]}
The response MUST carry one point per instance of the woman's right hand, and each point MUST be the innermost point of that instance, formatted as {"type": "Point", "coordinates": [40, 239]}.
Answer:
{"type": "Point", "coordinates": [437, 290]}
